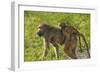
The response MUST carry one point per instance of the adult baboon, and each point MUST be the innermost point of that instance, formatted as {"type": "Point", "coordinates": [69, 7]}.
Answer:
{"type": "Point", "coordinates": [51, 35]}
{"type": "Point", "coordinates": [71, 34]}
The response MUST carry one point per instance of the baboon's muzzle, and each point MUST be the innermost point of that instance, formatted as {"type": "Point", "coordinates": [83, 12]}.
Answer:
{"type": "Point", "coordinates": [39, 33]}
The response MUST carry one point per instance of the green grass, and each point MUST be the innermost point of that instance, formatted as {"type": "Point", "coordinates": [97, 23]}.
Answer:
{"type": "Point", "coordinates": [33, 44]}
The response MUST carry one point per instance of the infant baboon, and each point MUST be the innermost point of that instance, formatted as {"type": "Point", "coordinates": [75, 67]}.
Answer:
{"type": "Point", "coordinates": [51, 35]}
{"type": "Point", "coordinates": [71, 34]}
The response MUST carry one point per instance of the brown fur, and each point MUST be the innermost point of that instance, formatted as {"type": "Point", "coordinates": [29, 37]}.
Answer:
{"type": "Point", "coordinates": [71, 34]}
{"type": "Point", "coordinates": [51, 35]}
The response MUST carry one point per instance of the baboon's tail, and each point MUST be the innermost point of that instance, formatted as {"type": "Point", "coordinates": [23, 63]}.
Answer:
{"type": "Point", "coordinates": [85, 44]}
{"type": "Point", "coordinates": [80, 45]}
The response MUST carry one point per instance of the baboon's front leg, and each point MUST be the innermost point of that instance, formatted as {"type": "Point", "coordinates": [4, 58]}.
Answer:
{"type": "Point", "coordinates": [46, 48]}
{"type": "Point", "coordinates": [57, 50]}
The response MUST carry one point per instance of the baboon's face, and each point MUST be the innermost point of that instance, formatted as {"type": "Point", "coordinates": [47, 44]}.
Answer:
{"type": "Point", "coordinates": [66, 31]}
{"type": "Point", "coordinates": [62, 25]}
{"type": "Point", "coordinates": [40, 33]}
{"type": "Point", "coordinates": [42, 30]}
{"type": "Point", "coordinates": [64, 28]}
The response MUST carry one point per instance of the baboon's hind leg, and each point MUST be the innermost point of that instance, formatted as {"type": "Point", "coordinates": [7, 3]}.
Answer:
{"type": "Point", "coordinates": [70, 48]}
{"type": "Point", "coordinates": [70, 53]}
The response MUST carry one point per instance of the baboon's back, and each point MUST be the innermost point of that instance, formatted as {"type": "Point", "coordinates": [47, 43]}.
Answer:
{"type": "Point", "coordinates": [54, 35]}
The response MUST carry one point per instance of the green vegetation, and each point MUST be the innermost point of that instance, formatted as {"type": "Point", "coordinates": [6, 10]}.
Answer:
{"type": "Point", "coordinates": [33, 44]}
